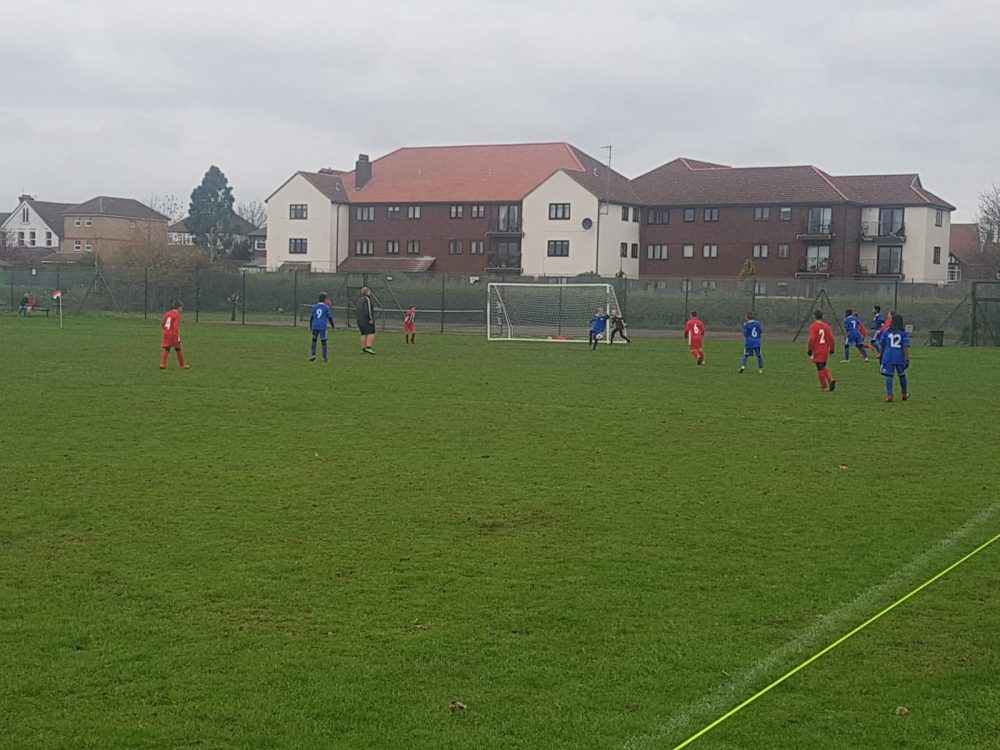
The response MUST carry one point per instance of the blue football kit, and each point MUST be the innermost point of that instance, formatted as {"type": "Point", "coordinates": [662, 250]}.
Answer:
{"type": "Point", "coordinates": [894, 344]}
{"type": "Point", "coordinates": [320, 316]}
{"type": "Point", "coordinates": [752, 332]}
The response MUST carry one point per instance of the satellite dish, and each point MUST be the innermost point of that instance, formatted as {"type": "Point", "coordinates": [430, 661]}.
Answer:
{"type": "Point", "coordinates": [587, 223]}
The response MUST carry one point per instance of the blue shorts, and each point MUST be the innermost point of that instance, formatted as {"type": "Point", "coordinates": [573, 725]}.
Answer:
{"type": "Point", "coordinates": [890, 370]}
{"type": "Point", "coordinates": [855, 340]}
{"type": "Point", "coordinates": [752, 351]}
{"type": "Point", "coordinates": [319, 333]}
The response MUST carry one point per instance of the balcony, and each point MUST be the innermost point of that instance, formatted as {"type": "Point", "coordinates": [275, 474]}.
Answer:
{"type": "Point", "coordinates": [884, 232]}
{"type": "Point", "coordinates": [503, 264]}
{"type": "Point", "coordinates": [506, 228]}
{"type": "Point", "coordinates": [815, 268]}
{"type": "Point", "coordinates": [816, 231]}
{"type": "Point", "coordinates": [883, 268]}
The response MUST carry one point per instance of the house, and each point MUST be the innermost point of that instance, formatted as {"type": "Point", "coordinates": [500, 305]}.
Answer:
{"type": "Point", "coordinates": [35, 224]}
{"type": "Point", "coordinates": [105, 224]}
{"type": "Point", "coordinates": [704, 219]}
{"type": "Point", "coordinates": [538, 209]}
{"type": "Point", "coordinates": [240, 228]}
{"type": "Point", "coordinates": [972, 255]}
{"type": "Point", "coordinates": [258, 242]}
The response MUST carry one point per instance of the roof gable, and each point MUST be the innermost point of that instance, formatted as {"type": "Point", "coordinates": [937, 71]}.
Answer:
{"type": "Point", "coordinates": [890, 189]}
{"type": "Point", "coordinates": [50, 213]}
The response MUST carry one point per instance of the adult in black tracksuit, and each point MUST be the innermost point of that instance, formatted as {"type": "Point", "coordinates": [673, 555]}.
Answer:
{"type": "Point", "coordinates": [366, 321]}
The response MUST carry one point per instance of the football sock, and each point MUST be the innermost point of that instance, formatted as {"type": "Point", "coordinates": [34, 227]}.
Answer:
{"type": "Point", "coordinates": [312, 349]}
{"type": "Point", "coordinates": [324, 350]}
{"type": "Point", "coordinates": [743, 362]}
{"type": "Point", "coordinates": [903, 384]}
{"type": "Point", "coordinates": [180, 358]}
{"type": "Point", "coordinates": [760, 361]}
{"type": "Point", "coordinates": [164, 358]}
{"type": "Point", "coordinates": [847, 351]}
{"type": "Point", "coordinates": [888, 385]}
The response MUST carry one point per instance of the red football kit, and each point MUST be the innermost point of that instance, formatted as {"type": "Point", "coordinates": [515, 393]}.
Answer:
{"type": "Point", "coordinates": [694, 332]}
{"type": "Point", "coordinates": [410, 320]}
{"type": "Point", "coordinates": [821, 345]}
{"type": "Point", "coordinates": [171, 325]}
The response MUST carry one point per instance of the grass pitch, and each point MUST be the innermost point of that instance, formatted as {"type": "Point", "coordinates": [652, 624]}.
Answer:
{"type": "Point", "coordinates": [470, 545]}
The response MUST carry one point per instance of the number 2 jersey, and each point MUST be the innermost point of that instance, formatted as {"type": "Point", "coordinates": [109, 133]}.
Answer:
{"type": "Point", "coordinates": [821, 341]}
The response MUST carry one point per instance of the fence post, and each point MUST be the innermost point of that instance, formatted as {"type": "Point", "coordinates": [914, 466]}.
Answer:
{"type": "Point", "coordinates": [295, 294]}
{"type": "Point", "coordinates": [687, 290]}
{"type": "Point", "coordinates": [895, 296]}
{"type": "Point", "coordinates": [243, 296]}
{"type": "Point", "coordinates": [12, 271]}
{"type": "Point", "coordinates": [145, 292]}
{"type": "Point", "coordinates": [973, 337]}
{"type": "Point", "coordinates": [442, 303]}
{"type": "Point", "coordinates": [197, 294]}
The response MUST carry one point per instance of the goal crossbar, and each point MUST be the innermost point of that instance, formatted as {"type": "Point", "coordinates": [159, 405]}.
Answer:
{"type": "Point", "coordinates": [546, 312]}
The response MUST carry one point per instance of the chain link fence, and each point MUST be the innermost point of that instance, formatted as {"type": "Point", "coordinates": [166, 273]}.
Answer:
{"type": "Point", "coordinates": [952, 313]}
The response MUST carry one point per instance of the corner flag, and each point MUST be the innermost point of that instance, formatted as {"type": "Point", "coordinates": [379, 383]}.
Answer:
{"type": "Point", "coordinates": [57, 294]}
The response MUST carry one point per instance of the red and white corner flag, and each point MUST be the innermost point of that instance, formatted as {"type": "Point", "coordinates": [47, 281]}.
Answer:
{"type": "Point", "coordinates": [57, 294]}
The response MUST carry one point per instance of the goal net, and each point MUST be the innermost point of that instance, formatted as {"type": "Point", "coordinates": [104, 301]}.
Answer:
{"type": "Point", "coordinates": [546, 312]}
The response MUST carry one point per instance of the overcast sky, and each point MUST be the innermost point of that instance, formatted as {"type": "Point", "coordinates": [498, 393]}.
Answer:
{"type": "Point", "coordinates": [126, 98]}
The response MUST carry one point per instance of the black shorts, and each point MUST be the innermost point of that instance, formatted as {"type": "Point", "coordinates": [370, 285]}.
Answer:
{"type": "Point", "coordinates": [366, 328]}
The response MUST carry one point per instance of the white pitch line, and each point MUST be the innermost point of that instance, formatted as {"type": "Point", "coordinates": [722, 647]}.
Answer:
{"type": "Point", "coordinates": [726, 695]}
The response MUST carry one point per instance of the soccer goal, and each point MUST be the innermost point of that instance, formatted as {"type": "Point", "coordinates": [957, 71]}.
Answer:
{"type": "Point", "coordinates": [546, 312]}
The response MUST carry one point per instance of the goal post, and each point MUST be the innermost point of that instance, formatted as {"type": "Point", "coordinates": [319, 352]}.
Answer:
{"type": "Point", "coordinates": [546, 312]}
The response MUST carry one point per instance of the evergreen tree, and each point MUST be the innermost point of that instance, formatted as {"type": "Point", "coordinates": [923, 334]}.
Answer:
{"type": "Point", "coordinates": [210, 215]}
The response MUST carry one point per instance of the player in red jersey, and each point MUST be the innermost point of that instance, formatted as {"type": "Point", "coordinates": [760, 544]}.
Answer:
{"type": "Point", "coordinates": [171, 325]}
{"type": "Point", "coordinates": [410, 325]}
{"type": "Point", "coordinates": [821, 346]}
{"type": "Point", "coordinates": [694, 332]}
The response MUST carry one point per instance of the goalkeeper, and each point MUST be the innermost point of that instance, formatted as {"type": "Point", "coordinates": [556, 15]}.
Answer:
{"type": "Point", "coordinates": [618, 327]}
{"type": "Point", "coordinates": [598, 325]}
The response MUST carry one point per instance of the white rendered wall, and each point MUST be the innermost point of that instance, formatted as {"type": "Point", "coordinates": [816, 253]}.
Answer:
{"type": "Point", "coordinates": [13, 225]}
{"type": "Point", "coordinates": [318, 229]}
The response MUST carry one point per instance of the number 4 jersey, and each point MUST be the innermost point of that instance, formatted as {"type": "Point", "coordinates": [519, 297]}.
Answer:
{"type": "Point", "coordinates": [171, 325]}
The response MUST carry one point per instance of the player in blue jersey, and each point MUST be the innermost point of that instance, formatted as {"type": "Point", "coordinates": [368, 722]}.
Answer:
{"type": "Point", "coordinates": [752, 331]}
{"type": "Point", "coordinates": [894, 345]}
{"type": "Point", "coordinates": [855, 331]}
{"type": "Point", "coordinates": [320, 316]}
{"type": "Point", "coordinates": [878, 322]}
{"type": "Point", "coordinates": [598, 325]}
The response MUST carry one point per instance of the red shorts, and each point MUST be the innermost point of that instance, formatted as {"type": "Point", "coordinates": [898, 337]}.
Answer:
{"type": "Point", "coordinates": [695, 343]}
{"type": "Point", "coordinates": [174, 342]}
{"type": "Point", "coordinates": [410, 327]}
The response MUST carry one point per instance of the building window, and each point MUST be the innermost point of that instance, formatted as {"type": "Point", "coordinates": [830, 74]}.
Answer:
{"type": "Point", "coordinates": [478, 212]}
{"type": "Point", "coordinates": [760, 287]}
{"type": "Point", "coordinates": [364, 247]}
{"type": "Point", "coordinates": [297, 246]}
{"type": "Point", "coordinates": [782, 251]}
{"type": "Point", "coordinates": [658, 216]}
{"type": "Point", "coordinates": [413, 247]}
{"type": "Point", "coordinates": [709, 284]}
{"type": "Point", "coordinates": [890, 222]}
{"type": "Point", "coordinates": [298, 211]}
{"type": "Point", "coordinates": [688, 215]}
{"type": "Point", "coordinates": [558, 211]}
{"type": "Point", "coordinates": [20, 239]}
{"type": "Point", "coordinates": [77, 222]}
{"type": "Point", "coordinates": [456, 212]}
{"type": "Point", "coordinates": [939, 218]}
{"type": "Point", "coordinates": [687, 285]}
{"type": "Point", "coordinates": [656, 252]}
{"type": "Point", "coordinates": [77, 246]}
{"type": "Point", "coordinates": [783, 287]}
{"type": "Point", "coordinates": [937, 256]}
{"type": "Point", "coordinates": [623, 250]}
{"type": "Point", "coordinates": [392, 247]}
{"type": "Point", "coordinates": [476, 246]}
{"type": "Point", "coordinates": [48, 239]}
{"type": "Point", "coordinates": [635, 249]}
{"type": "Point", "coordinates": [820, 221]}
{"type": "Point", "coordinates": [25, 215]}
{"type": "Point", "coordinates": [818, 259]}
{"type": "Point", "coordinates": [624, 213]}
{"type": "Point", "coordinates": [760, 251]}
{"type": "Point", "coordinates": [88, 246]}
{"type": "Point", "coordinates": [87, 221]}
{"type": "Point", "coordinates": [259, 245]}
{"type": "Point", "coordinates": [785, 213]}
{"type": "Point", "coordinates": [710, 251]}
{"type": "Point", "coordinates": [558, 248]}
{"type": "Point", "coordinates": [365, 213]}
{"type": "Point", "coordinates": [688, 251]}
{"type": "Point", "coordinates": [635, 214]}
{"type": "Point", "coordinates": [413, 212]}
{"type": "Point", "coordinates": [762, 213]}
{"type": "Point", "coordinates": [31, 238]}
{"type": "Point", "coordinates": [710, 214]}
{"type": "Point", "coordinates": [455, 247]}
{"type": "Point", "coordinates": [392, 212]}
{"type": "Point", "coordinates": [889, 259]}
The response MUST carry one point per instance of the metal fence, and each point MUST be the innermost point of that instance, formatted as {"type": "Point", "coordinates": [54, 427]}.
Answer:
{"type": "Point", "coordinates": [965, 312]}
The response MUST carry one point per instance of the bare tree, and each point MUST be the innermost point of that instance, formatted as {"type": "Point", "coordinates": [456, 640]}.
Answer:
{"type": "Point", "coordinates": [988, 217]}
{"type": "Point", "coordinates": [254, 212]}
{"type": "Point", "coordinates": [167, 204]}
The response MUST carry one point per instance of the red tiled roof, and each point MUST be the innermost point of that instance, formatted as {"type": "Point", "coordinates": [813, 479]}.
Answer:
{"type": "Point", "coordinates": [977, 261]}
{"type": "Point", "coordinates": [601, 181]}
{"type": "Point", "coordinates": [330, 185]}
{"type": "Point", "coordinates": [445, 174]}
{"type": "Point", "coordinates": [355, 264]}
{"type": "Point", "coordinates": [898, 189]}
{"type": "Point", "coordinates": [677, 183]}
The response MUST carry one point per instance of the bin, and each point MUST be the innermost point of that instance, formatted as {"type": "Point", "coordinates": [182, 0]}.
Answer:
{"type": "Point", "coordinates": [937, 338]}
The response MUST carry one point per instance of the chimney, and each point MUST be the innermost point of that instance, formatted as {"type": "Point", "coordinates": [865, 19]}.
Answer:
{"type": "Point", "coordinates": [362, 171]}
{"type": "Point", "coordinates": [26, 197]}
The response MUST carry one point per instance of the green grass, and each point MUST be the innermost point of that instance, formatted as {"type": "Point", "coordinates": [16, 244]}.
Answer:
{"type": "Point", "coordinates": [587, 549]}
